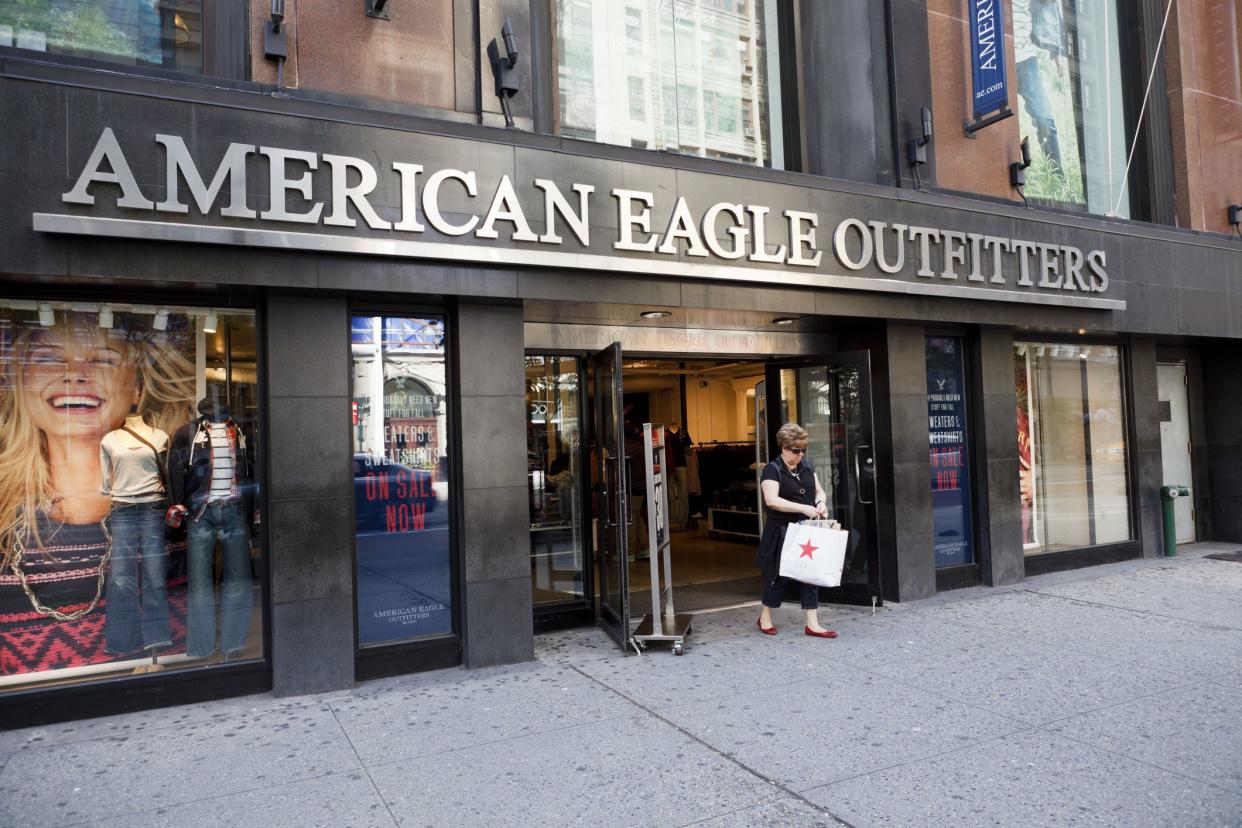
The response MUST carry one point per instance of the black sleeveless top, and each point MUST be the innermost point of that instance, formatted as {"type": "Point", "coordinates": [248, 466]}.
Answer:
{"type": "Point", "coordinates": [797, 486]}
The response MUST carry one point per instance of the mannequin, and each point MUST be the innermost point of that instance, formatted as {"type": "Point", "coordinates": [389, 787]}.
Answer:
{"type": "Point", "coordinates": [131, 459]}
{"type": "Point", "coordinates": [679, 443]}
{"type": "Point", "coordinates": [211, 475]}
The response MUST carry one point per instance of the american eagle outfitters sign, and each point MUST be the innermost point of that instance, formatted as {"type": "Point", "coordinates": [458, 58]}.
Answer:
{"type": "Point", "coordinates": [445, 214]}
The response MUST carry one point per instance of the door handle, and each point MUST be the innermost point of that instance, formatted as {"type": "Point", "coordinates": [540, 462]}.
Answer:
{"type": "Point", "coordinates": [864, 473]}
{"type": "Point", "coordinates": [610, 491]}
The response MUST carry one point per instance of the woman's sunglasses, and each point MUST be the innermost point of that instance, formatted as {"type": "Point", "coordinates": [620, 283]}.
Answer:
{"type": "Point", "coordinates": [796, 450]}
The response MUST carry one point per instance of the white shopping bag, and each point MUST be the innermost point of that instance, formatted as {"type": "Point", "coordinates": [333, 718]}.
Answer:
{"type": "Point", "coordinates": [813, 553]}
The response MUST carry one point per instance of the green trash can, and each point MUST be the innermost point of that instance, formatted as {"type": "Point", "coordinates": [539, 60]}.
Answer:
{"type": "Point", "coordinates": [1169, 494]}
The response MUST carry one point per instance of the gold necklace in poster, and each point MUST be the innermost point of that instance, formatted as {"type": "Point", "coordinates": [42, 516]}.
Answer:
{"type": "Point", "coordinates": [19, 548]}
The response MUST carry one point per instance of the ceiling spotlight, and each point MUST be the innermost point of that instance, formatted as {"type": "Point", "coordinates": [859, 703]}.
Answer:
{"type": "Point", "coordinates": [105, 316]}
{"type": "Point", "coordinates": [785, 320]}
{"type": "Point", "coordinates": [655, 314]}
{"type": "Point", "coordinates": [160, 323]}
{"type": "Point", "coordinates": [209, 324]}
{"type": "Point", "coordinates": [47, 317]}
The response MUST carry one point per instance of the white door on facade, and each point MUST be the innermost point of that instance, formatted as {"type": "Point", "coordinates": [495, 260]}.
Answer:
{"type": "Point", "coordinates": [1175, 449]}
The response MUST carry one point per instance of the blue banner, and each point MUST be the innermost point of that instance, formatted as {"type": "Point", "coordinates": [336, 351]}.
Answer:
{"type": "Point", "coordinates": [987, 56]}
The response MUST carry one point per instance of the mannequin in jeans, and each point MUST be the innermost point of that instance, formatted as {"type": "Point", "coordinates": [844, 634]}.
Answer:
{"type": "Point", "coordinates": [211, 475]}
{"type": "Point", "coordinates": [131, 460]}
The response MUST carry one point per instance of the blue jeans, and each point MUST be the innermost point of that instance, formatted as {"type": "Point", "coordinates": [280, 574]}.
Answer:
{"type": "Point", "coordinates": [226, 521]}
{"type": "Point", "coordinates": [774, 592]}
{"type": "Point", "coordinates": [1035, 95]}
{"type": "Point", "coordinates": [138, 553]}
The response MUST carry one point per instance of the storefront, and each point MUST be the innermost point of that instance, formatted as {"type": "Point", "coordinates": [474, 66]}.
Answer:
{"type": "Point", "coordinates": [427, 341]}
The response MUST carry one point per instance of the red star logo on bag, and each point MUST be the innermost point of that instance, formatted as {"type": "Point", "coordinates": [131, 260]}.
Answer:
{"type": "Point", "coordinates": [807, 549]}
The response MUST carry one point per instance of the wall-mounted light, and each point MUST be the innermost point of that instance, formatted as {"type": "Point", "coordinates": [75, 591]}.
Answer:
{"type": "Point", "coordinates": [1235, 215]}
{"type": "Point", "coordinates": [1017, 170]}
{"type": "Point", "coordinates": [160, 323]}
{"type": "Point", "coordinates": [379, 9]}
{"type": "Point", "coordinates": [47, 316]}
{"type": "Point", "coordinates": [105, 317]}
{"type": "Point", "coordinates": [508, 81]}
{"type": "Point", "coordinates": [785, 320]}
{"type": "Point", "coordinates": [918, 146]}
{"type": "Point", "coordinates": [655, 314]}
{"type": "Point", "coordinates": [275, 44]}
{"type": "Point", "coordinates": [209, 324]}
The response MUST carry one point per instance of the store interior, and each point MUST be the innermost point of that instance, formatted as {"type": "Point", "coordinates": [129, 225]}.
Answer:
{"type": "Point", "coordinates": [710, 406]}
{"type": "Point", "coordinates": [713, 550]}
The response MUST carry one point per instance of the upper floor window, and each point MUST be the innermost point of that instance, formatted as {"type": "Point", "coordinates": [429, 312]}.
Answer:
{"type": "Point", "coordinates": [1070, 103]}
{"type": "Point", "coordinates": [698, 56]}
{"type": "Point", "coordinates": [166, 34]}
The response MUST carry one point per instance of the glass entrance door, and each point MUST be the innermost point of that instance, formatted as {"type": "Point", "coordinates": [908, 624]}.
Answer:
{"type": "Point", "coordinates": [830, 396]}
{"type": "Point", "coordinates": [611, 497]}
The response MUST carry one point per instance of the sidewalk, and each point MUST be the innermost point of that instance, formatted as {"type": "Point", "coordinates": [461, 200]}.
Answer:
{"type": "Point", "coordinates": [1105, 696]}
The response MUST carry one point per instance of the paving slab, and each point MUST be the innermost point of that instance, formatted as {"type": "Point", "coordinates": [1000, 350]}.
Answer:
{"type": "Point", "coordinates": [572, 646]}
{"type": "Point", "coordinates": [1026, 681]}
{"type": "Point", "coordinates": [130, 724]}
{"type": "Point", "coordinates": [786, 810]}
{"type": "Point", "coordinates": [1153, 592]}
{"type": "Point", "coordinates": [1187, 649]}
{"type": "Point", "coordinates": [1028, 778]}
{"type": "Point", "coordinates": [118, 775]}
{"type": "Point", "coordinates": [635, 771]}
{"type": "Point", "coordinates": [333, 800]}
{"type": "Point", "coordinates": [834, 727]}
{"type": "Point", "coordinates": [433, 717]}
{"type": "Point", "coordinates": [712, 670]}
{"type": "Point", "coordinates": [893, 635]}
{"type": "Point", "coordinates": [1193, 731]}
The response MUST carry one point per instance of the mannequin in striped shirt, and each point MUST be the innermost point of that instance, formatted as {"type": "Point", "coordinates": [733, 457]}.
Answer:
{"type": "Point", "coordinates": [211, 475]}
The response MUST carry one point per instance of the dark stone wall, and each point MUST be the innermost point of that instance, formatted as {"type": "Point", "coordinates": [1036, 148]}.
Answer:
{"type": "Point", "coordinates": [496, 529]}
{"type": "Point", "coordinates": [911, 469]}
{"type": "Point", "coordinates": [998, 493]}
{"type": "Point", "coordinates": [310, 493]}
{"type": "Point", "coordinates": [1145, 453]}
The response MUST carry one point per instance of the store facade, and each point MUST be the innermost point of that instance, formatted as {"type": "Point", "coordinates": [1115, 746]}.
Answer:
{"type": "Point", "coordinates": [370, 302]}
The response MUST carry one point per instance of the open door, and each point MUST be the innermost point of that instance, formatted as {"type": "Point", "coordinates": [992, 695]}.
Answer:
{"type": "Point", "coordinates": [611, 497]}
{"type": "Point", "coordinates": [830, 396]}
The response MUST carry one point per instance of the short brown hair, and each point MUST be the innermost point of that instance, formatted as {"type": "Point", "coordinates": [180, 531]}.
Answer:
{"type": "Point", "coordinates": [789, 435]}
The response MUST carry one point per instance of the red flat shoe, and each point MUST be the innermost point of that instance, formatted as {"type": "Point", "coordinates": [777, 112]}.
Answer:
{"type": "Point", "coordinates": [763, 629]}
{"type": "Point", "coordinates": [821, 634]}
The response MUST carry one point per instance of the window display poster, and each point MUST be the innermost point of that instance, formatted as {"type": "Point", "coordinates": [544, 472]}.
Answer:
{"type": "Point", "coordinates": [401, 511]}
{"type": "Point", "coordinates": [90, 586]}
{"type": "Point", "coordinates": [1026, 453]}
{"type": "Point", "coordinates": [948, 452]}
{"type": "Point", "coordinates": [1049, 108]}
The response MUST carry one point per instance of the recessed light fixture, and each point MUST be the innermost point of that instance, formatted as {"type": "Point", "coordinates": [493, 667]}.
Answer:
{"type": "Point", "coordinates": [47, 317]}
{"type": "Point", "coordinates": [785, 320]}
{"type": "Point", "coordinates": [105, 317]}
{"type": "Point", "coordinates": [655, 314]}
{"type": "Point", "coordinates": [160, 323]}
{"type": "Point", "coordinates": [209, 324]}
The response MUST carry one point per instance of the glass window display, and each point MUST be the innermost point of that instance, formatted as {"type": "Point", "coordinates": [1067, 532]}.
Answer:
{"type": "Point", "coordinates": [129, 493]}
{"type": "Point", "coordinates": [1071, 446]}
{"type": "Point", "coordinates": [401, 474]}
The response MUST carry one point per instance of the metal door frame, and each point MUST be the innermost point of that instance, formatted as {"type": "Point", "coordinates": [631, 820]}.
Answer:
{"type": "Point", "coordinates": [864, 454]}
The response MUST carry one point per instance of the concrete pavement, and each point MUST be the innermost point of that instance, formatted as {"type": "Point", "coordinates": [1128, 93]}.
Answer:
{"type": "Point", "coordinates": [1104, 696]}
